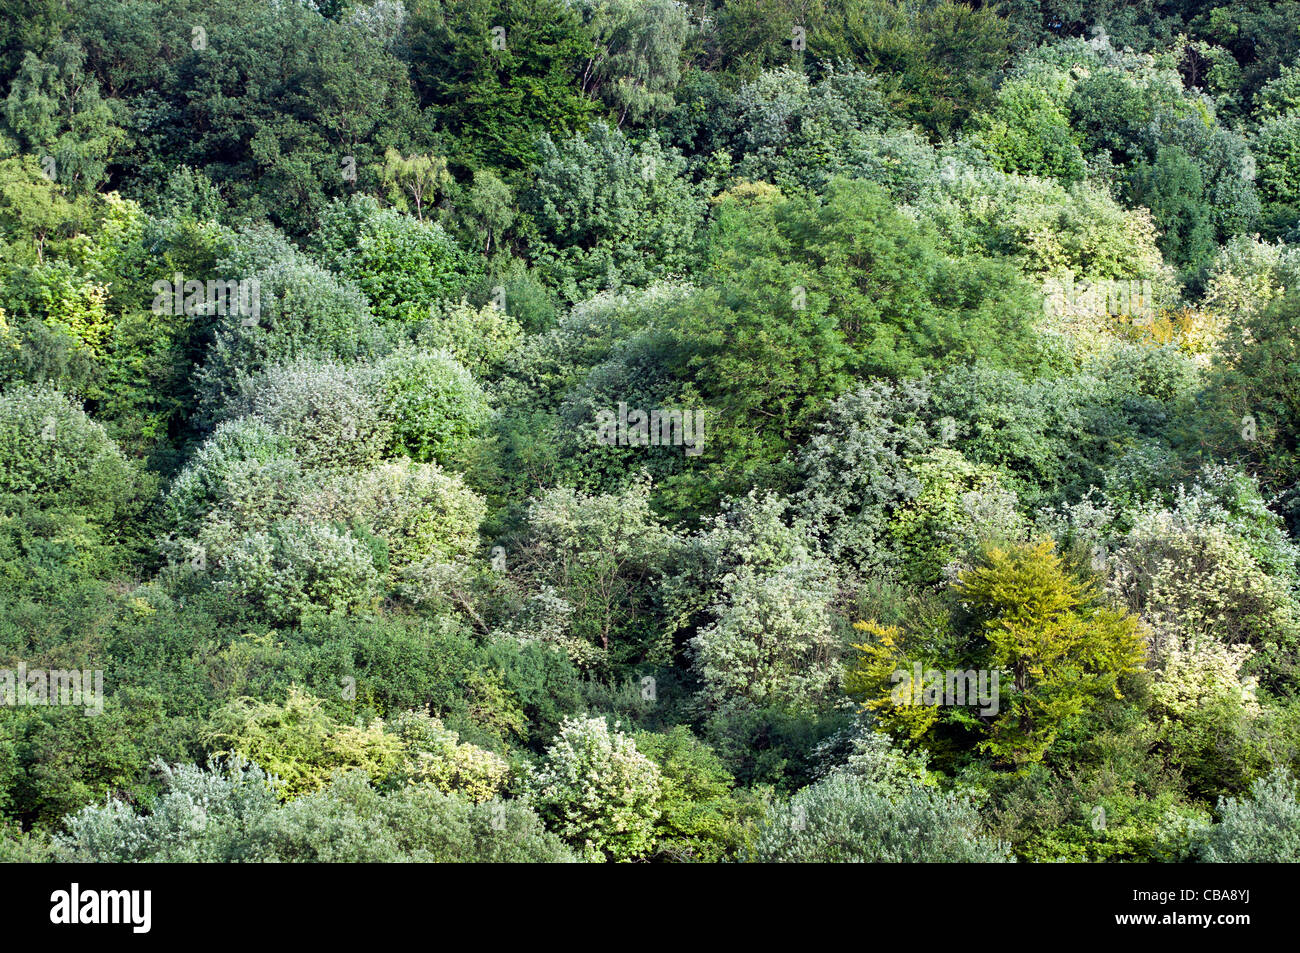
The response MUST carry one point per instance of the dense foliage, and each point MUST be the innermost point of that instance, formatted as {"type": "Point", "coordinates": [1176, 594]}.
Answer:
{"type": "Point", "coordinates": [633, 430]}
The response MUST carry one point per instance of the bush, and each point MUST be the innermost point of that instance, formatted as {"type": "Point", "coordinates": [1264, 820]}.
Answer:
{"type": "Point", "coordinates": [597, 791]}
{"type": "Point", "coordinates": [300, 745]}
{"type": "Point", "coordinates": [1261, 829]}
{"type": "Point", "coordinates": [419, 510]}
{"type": "Point", "coordinates": [436, 756]}
{"type": "Point", "coordinates": [610, 214]}
{"type": "Point", "coordinates": [231, 813]}
{"type": "Point", "coordinates": [296, 568]}
{"type": "Point", "coordinates": [701, 818]}
{"type": "Point", "coordinates": [845, 819]}
{"type": "Point", "coordinates": [479, 338]}
{"type": "Point", "coordinates": [327, 412]}
{"type": "Point", "coordinates": [304, 312]}
{"type": "Point", "coordinates": [436, 407]}
{"type": "Point", "coordinates": [52, 451]}
{"type": "Point", "coordinates": [401, 264]}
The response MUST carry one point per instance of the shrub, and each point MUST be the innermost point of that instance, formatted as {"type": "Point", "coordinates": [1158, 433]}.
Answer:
{"type": "Point", "coordinates": [435, 405]}
{"type": "Point", "coordinates": [51, 450]}
{"type": "Point", "coordinates": [299, 744]}
{"type": "Point", "coordinates": [844, 819]}
{"type": "Point", "coordinates": [597, 791]}
{"type": "Point", "coordinates": [479, 338]}
{"type": "Point", "coordinates": [297, 568]}
{"type": "Point", "coordinates": [230, 813]}
{"type": "Point", "coordinates": [1263, 828]}
{"type": "Point", "coordinates": [304, 312]}
{"type": "Point", "coordinates": [700, 817]}
{"type": "Point", "coordinates": [327, 412]}
{"type": "Point", "coordinates": [419, 510]}
{"type": "Point", "coordinates": [402, 264]}
{"type": "Point", "coordinates": [435, 755]}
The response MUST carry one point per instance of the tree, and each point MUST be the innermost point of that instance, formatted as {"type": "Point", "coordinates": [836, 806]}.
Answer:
{"type": "Point", "coordinates": [295, 569]}
{"type": "Point", "coordinates": [498, 75]}
{"type": "Point", "coordinates": [602, 555]}
{"type": "Point", "coordinates": [701, 819]}
{"type": "Point", "coordinates": [403, 265]}
{"type": "Point", "coordinates": [1256, 409]}
{"type": "Point", "coordinates": [800, 295]}
{"type": "Point", "coordinates": [37, 214]}
{"type": "Point", "coordinates": [229, 813]}
{"type": "Point", "coordinates": [1041, 626]}
{"type": "Point", "coordinates": [938, 62]}
{"type": "Point", "coordinates": [421, 177]}
{"type": "Point", "coordinates": [1028, 132]}
{"type": "Point", "coordinates": [436, 408]}
{"type": "Point", "coordinates": [51, 451]}
{"type": "Point", "coordinates": [55, 109]}
{"type": "Point", "coordinates": [304, 311]}
{"type": "Point", "coordinates": [1172, 188]}
{"type": "Point", "coordinates": [636, 61]}
{"type": "Point", "coordinates": [290, 109]}
{"type": "Point", "coordinates": [609, 214]}
{"type": "Point", "coordinates": [1022, 615]}
{"type": "Point", "coordinates": [491, 206]}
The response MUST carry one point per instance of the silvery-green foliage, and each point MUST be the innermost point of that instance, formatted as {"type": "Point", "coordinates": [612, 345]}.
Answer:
{"type": "Point", "coordinates": [254, 248]}
{"type": "Point", "coordinates": [1051, 230]}
{"type": "Point", "coordinates": [241, 479]}
{"type": "Point", "coordinates": [988, 514]}
{"type": "Point", "coordinates": [799, 134]}
{"type": "Point", "coordinates": [639, 49]}
{"type": "Point", "coordinates": [423, 513]}
{"type": "Point", "coordinates": [547, 617]}
{"type": "Point", "coordinates": [847, 819]}
{"type": "Point", "coordinates": [760, 600]}
{"type": "Point", "coordinates": [1218, 154]}
{"type": "Point", "coordinates": [385, 20]}
{"type": "Point", "coordinates": [1213, 564]}
{"type": "Point", "coordinates": [595, 790]}
{"type": "Point", "coordinates": [867, 753]}
{"type": "Point", "coordinates": [304, 312]}
{"type": "Point", "coordinates": [231, 814]}
{"type": "Point", "coordinates": [855, 468]}
{"type": "Point", "coordinates": [1263, 828]}
{"type": "Point", "coordinates": [435, 406]}
{"type": "Point", "coordinates": [328, 412]}
{"type": "Point", "coordinates": [1248, 274]}
{"type": "Point", "coordinates": [602, 556]}
{"type": "Point", "coordinates": [774, 641]}
{"type": "Point", "coordinates": [296, 568]}
{"type": "Point", "coordinates": [351, 822]}
{"type": "Point", "coordinates": [50, 448]}
{"type": "Point", "coordinates": [202, 816]}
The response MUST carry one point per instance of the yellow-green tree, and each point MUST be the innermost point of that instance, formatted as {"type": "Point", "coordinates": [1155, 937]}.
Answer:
{"type": "Point", "coordinates": [1046, 629]}
{"type": "Point", "coordinates": [1021, 614]}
